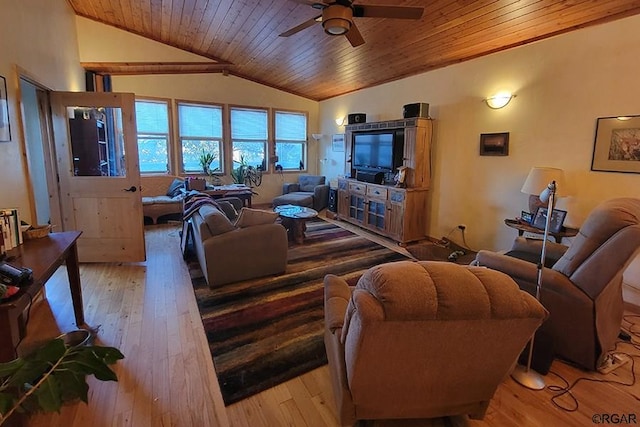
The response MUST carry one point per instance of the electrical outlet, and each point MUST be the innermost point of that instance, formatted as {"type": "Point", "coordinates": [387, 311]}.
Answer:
{"type": "Point", "coordinates": [462, 227]}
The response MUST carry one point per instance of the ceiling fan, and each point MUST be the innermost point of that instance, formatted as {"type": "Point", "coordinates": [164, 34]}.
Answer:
{"type": "Point", "coordinates": [337, 17]}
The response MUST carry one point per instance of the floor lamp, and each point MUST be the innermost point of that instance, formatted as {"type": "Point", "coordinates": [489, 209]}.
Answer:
{"type": "Point", "coordinates": [524, 374]}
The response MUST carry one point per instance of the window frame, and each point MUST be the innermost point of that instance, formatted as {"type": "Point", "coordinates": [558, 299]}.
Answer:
{"type": "Point", "coordinates": [169, 135]}
{"type": "Point", "coordinates": [266, 143]}
{"type": "Point", "coordinates": [304, 143]}
{"type": "Point", "coordinates": [220, 140]}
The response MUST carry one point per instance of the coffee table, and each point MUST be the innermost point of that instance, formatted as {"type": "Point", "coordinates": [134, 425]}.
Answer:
{"type": "Point", "coordinates": [294, 219]}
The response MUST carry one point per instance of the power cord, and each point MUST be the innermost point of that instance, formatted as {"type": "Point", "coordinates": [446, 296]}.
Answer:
{"type": "Point", "coordinates": [566, 389]}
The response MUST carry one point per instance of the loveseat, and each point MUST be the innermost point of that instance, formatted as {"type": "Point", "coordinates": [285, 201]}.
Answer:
{"type": "Point", "coordinates": [161, 195]}
{"type": "Point", "coordinates": [252, 246]}
{"type": "Point", "coordinates": [423, 339]}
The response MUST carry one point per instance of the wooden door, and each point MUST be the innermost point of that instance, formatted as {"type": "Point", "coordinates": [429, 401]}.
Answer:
{"type": "Point", "coordinates": [99, 177]}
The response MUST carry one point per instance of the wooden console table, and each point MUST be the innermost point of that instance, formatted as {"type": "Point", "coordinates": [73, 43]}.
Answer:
{"type": "Point", "coordinates": [240, 191]}
{"type": "Point", "coordinates": [522, 227]}
{"type": "Point", "coordinates": [43, 256]}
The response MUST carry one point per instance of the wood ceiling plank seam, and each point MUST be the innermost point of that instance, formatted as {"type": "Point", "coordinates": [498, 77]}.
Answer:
{"type": "Point", "coordinates": [203, 27]}
{"type": "Point", "coordinates": [177, 13]}
{"type": "Point", "coordinates": [261, 25]}
{"type": "Point", "coordinates": [165, 21]}
{"type": "Point", "coordinates": [127, 15]}
{"type": "Point", "coordinates": [214, 26]}
{"type": "Point", "coordinates": [239, 38]}
{"type": "Point", "coordinates": [108, 12]}
{"type": "Point", "coordinates": [230, 27]}
{"type": "Point", "coordinates": [183, 30]}
{"type": "Point", "coordinates": [156, 21]}
{"type": "Point", "coordinates": [142, 13]}
{"type": "Point", "coordinates": [191, 28]}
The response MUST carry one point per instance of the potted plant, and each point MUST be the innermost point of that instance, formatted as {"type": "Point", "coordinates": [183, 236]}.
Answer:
{"type": "Point", "coordinates": [206, 159]}
{"type": "Point", "coordinates": [52, 375]}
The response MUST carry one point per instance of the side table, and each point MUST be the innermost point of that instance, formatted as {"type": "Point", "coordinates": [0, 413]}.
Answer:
{"type": "Point", "coordinates": [522, 227]}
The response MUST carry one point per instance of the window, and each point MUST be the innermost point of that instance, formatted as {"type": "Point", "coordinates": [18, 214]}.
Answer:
{"type": "Point", "coordinates": [291, 139]}
{"type": "Point", "coordinates": [249, 133]}
{"type": "Point", "coordinates": [152, 121]}
{"type": "Point", "coordinates": [200, 128]}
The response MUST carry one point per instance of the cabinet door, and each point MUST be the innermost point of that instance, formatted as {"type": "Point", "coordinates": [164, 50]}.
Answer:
{"type": "Point", "coordinates": [376, 214]}
{"type": "Point", "coordinates": [343, 204]}
{"type": "Point", "coordinates": [395, 224]}
{"type": "Point", "coordinates": [356, 208]}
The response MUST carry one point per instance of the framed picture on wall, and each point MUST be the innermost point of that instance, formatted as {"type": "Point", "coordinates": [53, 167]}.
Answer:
{"type": "Point", "coordinates": [5, 129]}
{"type": "Point", "coordinates": [337, 142]}
{"type": "Point", "coordinates": [494, 144]}
{"type": "Point", "coordinates": [616, 147]}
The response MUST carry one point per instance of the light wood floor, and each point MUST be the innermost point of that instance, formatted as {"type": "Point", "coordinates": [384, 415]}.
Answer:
{"type": "Point", "coordinates": [167, 378]}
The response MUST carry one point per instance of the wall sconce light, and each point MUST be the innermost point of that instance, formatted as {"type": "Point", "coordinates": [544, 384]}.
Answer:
{"type": "Point", "coordinates": [340, 121]}
{"type": "Point", "coordinates": [499, 100]}
{"type": "Point", "coordinates": [316, 136]}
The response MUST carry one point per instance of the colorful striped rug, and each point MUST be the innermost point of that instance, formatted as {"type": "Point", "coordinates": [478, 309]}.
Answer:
{"type": "Point", "coordinates": [265, 331]}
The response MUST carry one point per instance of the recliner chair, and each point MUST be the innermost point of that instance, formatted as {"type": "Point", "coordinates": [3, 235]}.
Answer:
{"type": "Point", "coordinates": [310, 191]}
{"type": "Point", "coordinates": [583, 289]}
{"type": "Point", "coordinates": [423, 339]}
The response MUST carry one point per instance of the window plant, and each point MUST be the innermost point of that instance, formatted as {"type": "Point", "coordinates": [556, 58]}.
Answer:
{"type": "Point", "coordinates": [52, 375]}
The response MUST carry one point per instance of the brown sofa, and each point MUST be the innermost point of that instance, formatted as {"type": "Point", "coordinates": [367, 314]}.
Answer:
{"type": "Point", "coordinates": [161, 195]}
{"type": "Point", "coordinates": [582, 291]}
{"type": "Point", "coordinates": [253, 246]}
{"type": "Point", "coordinates": [423, 339]}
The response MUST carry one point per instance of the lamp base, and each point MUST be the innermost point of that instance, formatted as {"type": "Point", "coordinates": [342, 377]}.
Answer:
{"type": "Point", "coordinates": [528, 378]}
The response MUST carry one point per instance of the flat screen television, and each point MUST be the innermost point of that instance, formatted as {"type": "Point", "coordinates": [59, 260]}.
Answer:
{"type": "Point", "coordinates": [378, 150]}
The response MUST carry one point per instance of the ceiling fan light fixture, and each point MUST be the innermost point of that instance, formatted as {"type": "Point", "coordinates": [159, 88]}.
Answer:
{"type": "Point", "coordinates": [337, 19]}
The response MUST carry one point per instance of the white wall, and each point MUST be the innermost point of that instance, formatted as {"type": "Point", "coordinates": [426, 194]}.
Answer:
{"type": "Point", "coordinates": [39, 37]}
{"type": "Point", "coordinates": [102, 43]}
{"type": "Point", "coordinates": [562, 84]}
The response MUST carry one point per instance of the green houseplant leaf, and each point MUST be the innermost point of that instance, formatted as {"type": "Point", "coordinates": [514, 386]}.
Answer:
{"type": "Point", "coordinates": [53, 375]}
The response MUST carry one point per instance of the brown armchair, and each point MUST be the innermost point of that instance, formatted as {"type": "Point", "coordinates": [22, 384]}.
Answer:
{"type": "Point", "coordinates": [423, 339]}
{"type": "Point", "coordinates": [582, 291]}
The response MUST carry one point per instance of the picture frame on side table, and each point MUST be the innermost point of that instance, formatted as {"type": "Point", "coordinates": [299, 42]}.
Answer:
{"type": "Point", "coordinates": [616, 147]}
{"type": "Point", "coordinates": [5, 127]}
{"type": "Point", "coordinates": [557, 219]}
{"type": "Point", "coordinates": [494, 144]}
{"type": "Point", "coordinates": [337, 142]}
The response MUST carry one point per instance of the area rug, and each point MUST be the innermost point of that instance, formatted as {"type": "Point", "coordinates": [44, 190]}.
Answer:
{"type": "Point", "coordinates": [263, 332]}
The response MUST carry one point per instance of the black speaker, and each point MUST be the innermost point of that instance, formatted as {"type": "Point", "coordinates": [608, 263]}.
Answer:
{"type": "Point", "coordinates": [419, 109]}
{"type": "Point", "coordinates": [333, 200]}
{"type": "Point", "coordinates": [356, 118]}
{"type": "Point", "coordinates": [370, 177]}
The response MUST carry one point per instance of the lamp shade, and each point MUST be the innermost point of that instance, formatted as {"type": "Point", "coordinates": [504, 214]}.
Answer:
{"type": "Point", "coordinates": [538, 179]}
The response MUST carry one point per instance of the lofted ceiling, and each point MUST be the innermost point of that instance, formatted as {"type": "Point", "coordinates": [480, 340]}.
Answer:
{"type": "Point", "coordinates": [240, 37]}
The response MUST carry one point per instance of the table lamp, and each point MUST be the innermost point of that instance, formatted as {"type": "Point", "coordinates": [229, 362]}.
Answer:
{"type": "Point", "coordinates": [537, 181]}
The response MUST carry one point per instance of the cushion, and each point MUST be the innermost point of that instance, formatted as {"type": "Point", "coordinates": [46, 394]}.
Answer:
{"type": "Point", "coordinates": [298, 199]}
{"type": "Point", "coordinates": [175, 188]}
{"type": "Point", "coordinates": [228, 209]}
{"type": "Point", "coordinates": [309, 182]}
{"type": "Point", "coordinates": [249, 217]}
{"type": "Point", "coordinates": [216, 221]}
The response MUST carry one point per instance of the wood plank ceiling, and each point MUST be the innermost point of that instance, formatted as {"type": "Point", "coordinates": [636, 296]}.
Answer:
{"type": "Point", "coordinates": [240, 37]}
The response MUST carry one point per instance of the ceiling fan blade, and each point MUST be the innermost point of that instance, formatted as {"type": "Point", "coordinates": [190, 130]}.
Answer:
{"type": "Point", "coordinates": [354, 36]}
{"type": "Point", "coordinates": [297, 28]}
{"type": "Point", "coordinates": [395, 12]}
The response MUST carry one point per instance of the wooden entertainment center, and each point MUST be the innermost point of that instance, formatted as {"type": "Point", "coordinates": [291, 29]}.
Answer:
{"type": "Point", "coordinates": [398, 213]}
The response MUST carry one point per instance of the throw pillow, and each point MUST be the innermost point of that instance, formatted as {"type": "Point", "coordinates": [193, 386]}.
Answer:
{"type": "Point", "coordinates": [228, 209]}
{"type": "Point", "coordinates": [175, 188]}
{"type": "Point", "coordinates": [249, 217]}
{"type": "Point", "coordinates": [216, 221]}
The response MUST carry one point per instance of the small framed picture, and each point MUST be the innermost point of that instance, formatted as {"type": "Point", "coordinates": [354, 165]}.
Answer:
{"type": "Point", "coordinates": [494, 144]}
{"type": "Point", "coordinates": [557, 219]}
{"type": "Point", "coordinates": [5, 129]}
{"type": "Point", "coordinates": [526, 217]}
{"type": "Point", "coordinates": [337, 142]}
